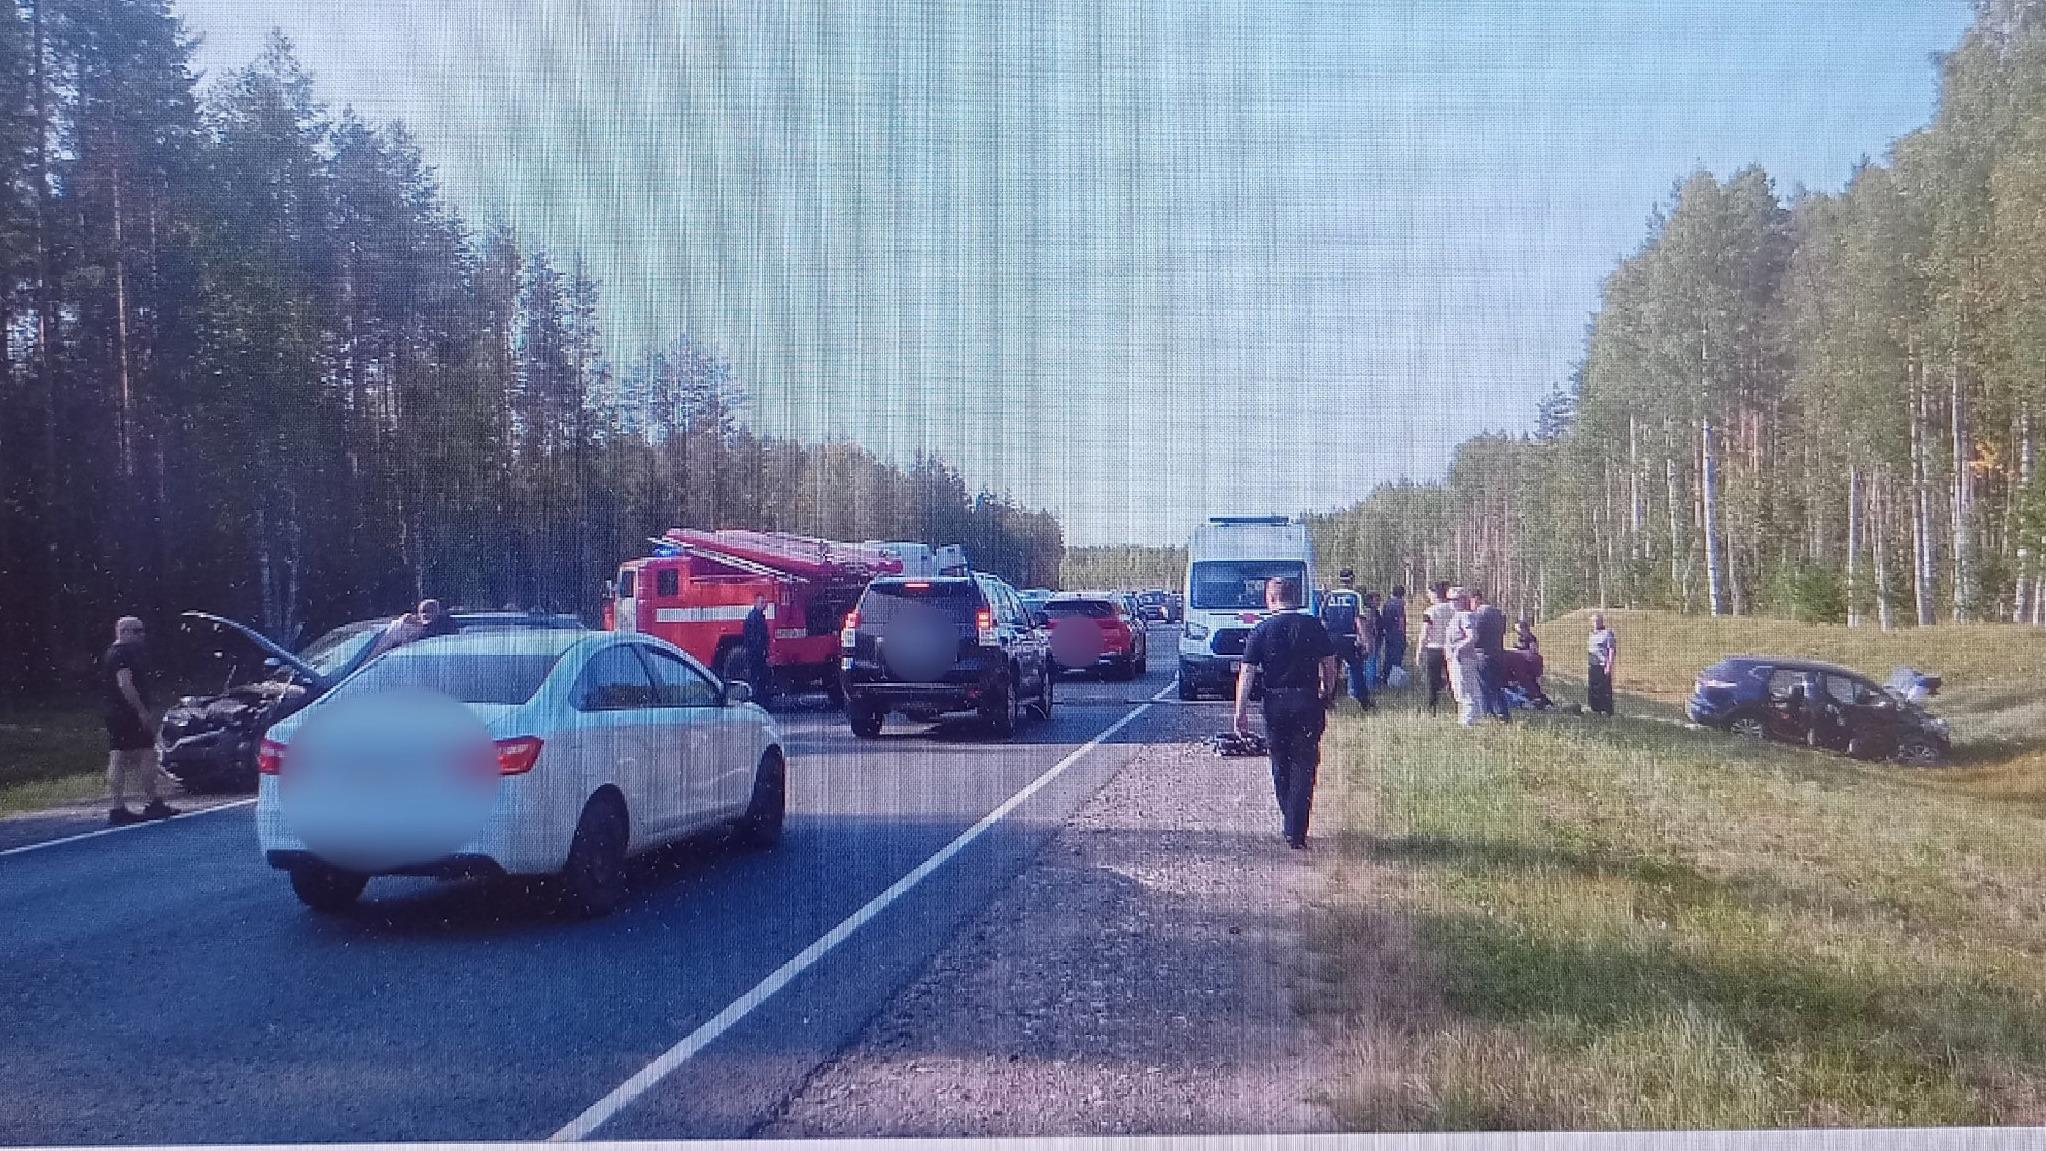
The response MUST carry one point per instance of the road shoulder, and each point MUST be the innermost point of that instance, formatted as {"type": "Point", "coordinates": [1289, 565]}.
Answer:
{"type": "Point", "coordinates": [1138, 977]}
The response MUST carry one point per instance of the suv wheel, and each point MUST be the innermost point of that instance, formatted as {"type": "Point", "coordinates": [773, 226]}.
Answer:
{"type": "Point", "coordinates": [1044, 696]}
{"type": "Point", "coordinates": [865, 717]}
{"type": "Point", "coordinates": [1188, 689]}
{"type": "Point", "coordinates": [1747, 726]}
{"type": "Point", "coordinates": [999, 713]}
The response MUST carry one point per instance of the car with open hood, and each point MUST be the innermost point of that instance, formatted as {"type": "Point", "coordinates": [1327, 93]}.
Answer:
{"type": "Point", "coordinates": [209, 742]}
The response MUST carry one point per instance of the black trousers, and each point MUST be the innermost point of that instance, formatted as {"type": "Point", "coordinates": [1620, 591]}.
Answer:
{"type": "Point", "coordinates": [1598, 688]}
{"type": "Point", "coordinates": [1435, 665]}
{"type": "Point", "coordinates": [1294, 721]}
{"type": "Point", "coordinates": [1492, 685]}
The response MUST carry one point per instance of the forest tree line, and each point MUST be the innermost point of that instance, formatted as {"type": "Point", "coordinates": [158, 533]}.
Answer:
{"type": "Point", "coordinates": [1820, 405]}
{"type": "Point", "coordinates": [256, 363]}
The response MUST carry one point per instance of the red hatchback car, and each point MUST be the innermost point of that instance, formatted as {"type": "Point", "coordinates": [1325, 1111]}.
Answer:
{"type": "Point", "coordinates": [1096, 633]}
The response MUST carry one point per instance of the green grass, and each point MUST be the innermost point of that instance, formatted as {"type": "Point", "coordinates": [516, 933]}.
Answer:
{"type": "Point", "coordinates": [50, 753]}
{"type": "Point", "coordinates": [1580, 923]}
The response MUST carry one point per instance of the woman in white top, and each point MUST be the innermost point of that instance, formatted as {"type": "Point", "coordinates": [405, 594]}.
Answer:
{"type": "Point", "coordinates": [1463, 661]}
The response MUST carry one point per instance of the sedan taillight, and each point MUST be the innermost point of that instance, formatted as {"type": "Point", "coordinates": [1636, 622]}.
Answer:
{"type": "Point", "coordinates": [516, 756]}
{"type": "Point", "coordinates": [269, 757]}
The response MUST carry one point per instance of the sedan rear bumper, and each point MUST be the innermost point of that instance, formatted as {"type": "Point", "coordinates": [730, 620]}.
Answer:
{"type": "Point", "coordinates": [459, 866]}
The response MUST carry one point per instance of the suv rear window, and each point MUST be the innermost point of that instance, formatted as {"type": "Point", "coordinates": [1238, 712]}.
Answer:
{"type": "Point", "coordinates": [1091, 608]}
{"type": "Point", "coordinates": [958, 598]}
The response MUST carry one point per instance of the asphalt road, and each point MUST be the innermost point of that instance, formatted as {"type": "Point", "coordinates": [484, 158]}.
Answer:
{"type": "Point", "coordinates": [163, 986]}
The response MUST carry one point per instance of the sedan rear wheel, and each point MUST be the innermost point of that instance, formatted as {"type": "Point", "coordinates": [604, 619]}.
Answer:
{"type": "Point", "coordinates": [595, 872]}
{"type": "Point", "coordinates": [324, 887]}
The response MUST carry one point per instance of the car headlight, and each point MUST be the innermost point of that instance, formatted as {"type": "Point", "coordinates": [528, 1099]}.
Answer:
{"type": "Point", "coordinates": [1196, 631]}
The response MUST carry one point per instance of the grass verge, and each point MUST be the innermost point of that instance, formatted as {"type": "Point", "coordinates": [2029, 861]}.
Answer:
{"type": "Point", "coordinates": [50, 753]}
{"type": "Point", "coordinates": [1627, 924]}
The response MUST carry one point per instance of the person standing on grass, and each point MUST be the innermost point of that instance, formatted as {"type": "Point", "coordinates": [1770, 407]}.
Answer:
{"type": "Point", "coordinates": [125, 678]}
{"type": "Point", "coordinates": [1462, 650]}
{"type": "Point", "coordinates": [1292, 653]}
{"type": "Point", "coordinates": [1374, 643]}
{"type": "Point", "coordinates": [1601, 650]}
{"type": "Point", "coordinates": [1392, 634]}
{"type": "Point", "coordinates": [1342, 611]}
{"type": "Point", "coordinates": [1435, 621]}
{"type": "Point", "coordinates": [1490, 625]}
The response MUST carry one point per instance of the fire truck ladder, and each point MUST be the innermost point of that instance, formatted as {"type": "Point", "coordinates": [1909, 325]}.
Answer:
{"type": "Point", "coordinates": [725, 558]}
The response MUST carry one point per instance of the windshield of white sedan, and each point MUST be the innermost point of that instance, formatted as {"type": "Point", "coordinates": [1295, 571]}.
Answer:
{"type": "Point", "coordinates": [468, 678]}
{"type": "Point", "coordinates": [338, 648]}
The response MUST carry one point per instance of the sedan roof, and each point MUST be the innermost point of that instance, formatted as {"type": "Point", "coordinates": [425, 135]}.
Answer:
{"type": "Point", "coordinates": [526, 641]}
{"type": "Point", "coordinates": [1795, 663]}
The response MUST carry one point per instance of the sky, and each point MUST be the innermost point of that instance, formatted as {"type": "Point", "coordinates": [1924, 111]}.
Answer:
{"type": "Point", "coordinates": [1136, 263]}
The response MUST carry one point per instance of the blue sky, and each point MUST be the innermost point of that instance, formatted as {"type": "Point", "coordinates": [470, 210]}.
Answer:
{"type": "Point", "coordinates": [1133, 262]}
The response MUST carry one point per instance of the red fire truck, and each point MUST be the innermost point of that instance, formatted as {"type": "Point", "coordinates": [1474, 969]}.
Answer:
{"type": "Point", "coordinates": [697, 588]}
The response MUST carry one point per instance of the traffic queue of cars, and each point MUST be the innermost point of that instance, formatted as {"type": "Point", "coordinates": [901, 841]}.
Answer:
{"type": "Point", "coordinates": [529, 745]}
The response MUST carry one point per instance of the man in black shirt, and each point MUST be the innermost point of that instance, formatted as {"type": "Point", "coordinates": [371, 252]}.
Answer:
{"type": "Point", "coordinates": [1291, 651]}
{"type": "Point", "coordinates": [1488, 629]}
{"type": "Point", "coordinates": [754, 635]}
{"type": "Point", "coordinates": [124, 682]}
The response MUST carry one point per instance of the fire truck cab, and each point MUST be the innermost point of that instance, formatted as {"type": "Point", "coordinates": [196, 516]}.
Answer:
{"type": "Point", "coordinates": [697, 588]}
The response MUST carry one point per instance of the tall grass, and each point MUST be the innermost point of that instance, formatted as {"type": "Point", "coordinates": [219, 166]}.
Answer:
{"type": "Point", "coordinates": [1628, 924]}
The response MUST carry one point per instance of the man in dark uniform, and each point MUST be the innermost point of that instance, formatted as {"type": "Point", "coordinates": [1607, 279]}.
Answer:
{"type": "Point", "coordinates": [754, 636]}
{"type": "Point", "coordinates": [125, 675]}
{"type": "Point", "coordinates": [1291, 651]}
{"type": "Point", "coordinates": [1342, 615]}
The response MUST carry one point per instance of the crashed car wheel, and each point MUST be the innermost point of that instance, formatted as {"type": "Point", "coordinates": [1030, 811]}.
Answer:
{"type": "Point", "coordinates": [1922, 752]}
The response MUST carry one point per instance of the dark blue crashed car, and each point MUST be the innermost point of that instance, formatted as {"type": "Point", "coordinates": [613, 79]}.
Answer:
{"type": "Point", "coordinates": [1819, 705]}
{"type": "Point", "coordinates": [209, 742]}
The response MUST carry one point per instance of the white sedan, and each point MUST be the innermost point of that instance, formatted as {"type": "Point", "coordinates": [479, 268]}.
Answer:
{"type": "Point", "coordinates": [515, 753]}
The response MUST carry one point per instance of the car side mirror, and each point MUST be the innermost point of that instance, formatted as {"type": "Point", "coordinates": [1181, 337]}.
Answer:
{"type": "Point", "coordinates": [738, 692]}
{"type": "Point", "coordinates": [1040, 618]}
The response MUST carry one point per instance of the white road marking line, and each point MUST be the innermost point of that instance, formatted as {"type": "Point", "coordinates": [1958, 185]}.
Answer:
{"type": "Point", "coordinates": [24, 849]}
{"type": "Point", "coordinates": [623, 1096]}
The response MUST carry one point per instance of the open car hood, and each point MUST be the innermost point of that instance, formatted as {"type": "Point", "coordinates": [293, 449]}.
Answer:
{"type": "Point", "coordinates": [276, 650]}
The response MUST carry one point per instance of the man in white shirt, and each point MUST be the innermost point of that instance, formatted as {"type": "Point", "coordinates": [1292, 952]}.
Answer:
{"type": "Point", "coordinates": [1435, 621]}
{"type": "Point", "coordinates": [1462, 650]}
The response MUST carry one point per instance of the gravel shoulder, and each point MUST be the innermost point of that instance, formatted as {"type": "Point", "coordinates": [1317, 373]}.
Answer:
{"type": "Point", "coordinates": [1139, 977]}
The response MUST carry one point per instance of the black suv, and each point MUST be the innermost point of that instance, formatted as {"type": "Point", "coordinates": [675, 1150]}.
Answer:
{"type": "Point", "coordinates": [209, 741]}
{"type": "Point", "coordinates": [1820, 704]}
{"type": "Point", "coordinates": [927, 647]}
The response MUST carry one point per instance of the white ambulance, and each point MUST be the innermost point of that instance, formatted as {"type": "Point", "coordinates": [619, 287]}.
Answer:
{"type": "Point", "coordinates": [1228, 561]}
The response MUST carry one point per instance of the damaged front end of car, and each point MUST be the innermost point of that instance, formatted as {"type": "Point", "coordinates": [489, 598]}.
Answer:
{"type": "Point", "coordinates": [209, 742]}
